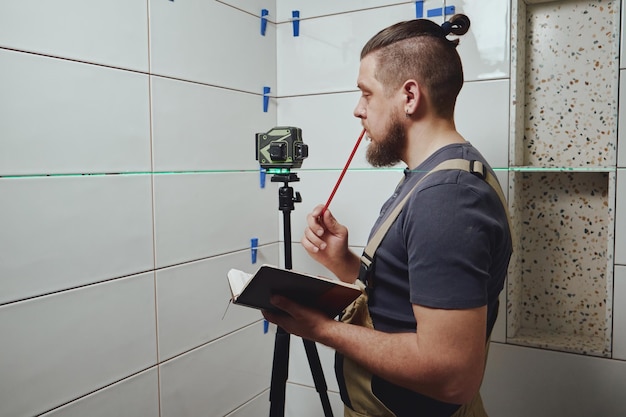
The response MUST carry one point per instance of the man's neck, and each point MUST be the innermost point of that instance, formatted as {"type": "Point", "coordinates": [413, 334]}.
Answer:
{"type": "Point", "coordinates": [428, 137]}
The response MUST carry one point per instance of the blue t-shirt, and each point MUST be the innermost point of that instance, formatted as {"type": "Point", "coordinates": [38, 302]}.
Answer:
{"type": "Point", "coordinates": [449, 248]}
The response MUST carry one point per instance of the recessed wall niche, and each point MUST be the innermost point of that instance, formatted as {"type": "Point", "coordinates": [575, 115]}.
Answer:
{"type": "Point", "coordinates": [565, 67]}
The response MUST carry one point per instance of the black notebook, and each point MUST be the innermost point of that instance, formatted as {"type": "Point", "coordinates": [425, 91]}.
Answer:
{"type": "Point", "coordinates": [254, 290]}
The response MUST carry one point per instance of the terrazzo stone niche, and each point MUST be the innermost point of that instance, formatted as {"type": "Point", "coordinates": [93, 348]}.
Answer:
{"type": "Point", "coordinates": [565, 64]}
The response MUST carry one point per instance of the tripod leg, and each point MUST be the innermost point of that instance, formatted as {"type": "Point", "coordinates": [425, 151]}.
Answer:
{"type": "Point", "coordinates": [280, 372]}
{"type": "Point", "coordinates": [318, 375]}
{"type": "Point", "coordinates": [280, 368]}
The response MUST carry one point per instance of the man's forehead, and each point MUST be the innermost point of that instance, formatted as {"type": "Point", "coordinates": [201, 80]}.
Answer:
{"type": "Point", "coordinates": [368, 63]}
{"type": "Point", "coordinates": [366, 73]}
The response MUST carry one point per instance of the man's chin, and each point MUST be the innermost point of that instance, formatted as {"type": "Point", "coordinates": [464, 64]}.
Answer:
{"type": "Point", "coordinates": [378, 163]}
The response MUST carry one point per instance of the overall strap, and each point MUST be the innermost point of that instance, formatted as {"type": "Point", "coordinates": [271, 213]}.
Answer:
{"type": "Point", "coordinates": [475, 167]}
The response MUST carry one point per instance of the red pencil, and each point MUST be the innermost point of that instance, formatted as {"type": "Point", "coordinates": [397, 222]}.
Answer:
{"type": "Point", "coordinates": [343, 172]}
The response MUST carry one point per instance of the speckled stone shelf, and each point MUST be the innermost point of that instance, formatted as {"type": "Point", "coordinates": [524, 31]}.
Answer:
{"type": "Point", "coordinates": [562, 181]}
{"type": "Point", "coordinates": [571, 91]}
{"type": "Point", "coordinates": [560, 288]}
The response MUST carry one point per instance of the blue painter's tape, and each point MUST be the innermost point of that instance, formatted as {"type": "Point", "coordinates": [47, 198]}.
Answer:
{"type": "Point", "coordinates": [419, 9]}
{"type": "Point", "coordinates": [448, 10]}
{"type": "Point", "coordinates": [264, 12]}
{"type": "Point", "coordinates": [434, 12]}
{"type": "Point", "coordinates": [266, 99]}
{"type": "Point", "coordinates": [295, 14]}
{"type": "Point", "coordinates": [262, 175]}
{"type": "Point", "coordinates": [254, 246]}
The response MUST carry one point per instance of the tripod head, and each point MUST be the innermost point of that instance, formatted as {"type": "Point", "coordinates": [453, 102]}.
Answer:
{"type": "Point", "coordinates": [286, 197]}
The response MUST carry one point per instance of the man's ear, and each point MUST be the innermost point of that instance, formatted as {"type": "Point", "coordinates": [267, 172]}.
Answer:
{"type": "Point", "coordinates": [412, 96]}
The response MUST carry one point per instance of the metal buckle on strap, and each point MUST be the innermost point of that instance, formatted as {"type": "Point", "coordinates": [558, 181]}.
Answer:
{"type": "Point", "coordinates": [365, 270]}
{"type": "Point", "coordinates": [478, 168]}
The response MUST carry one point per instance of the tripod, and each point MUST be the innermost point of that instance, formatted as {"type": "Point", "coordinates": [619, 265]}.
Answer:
{"type": "Point", "coordinates": [280, 367]}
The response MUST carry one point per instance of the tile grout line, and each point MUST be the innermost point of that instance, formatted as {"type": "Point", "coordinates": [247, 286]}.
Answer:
{"type": "Point", "coordinates": [153, 209]}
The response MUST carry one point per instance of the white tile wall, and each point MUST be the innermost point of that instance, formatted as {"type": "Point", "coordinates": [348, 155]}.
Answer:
{"type": "Point", "coordinates": [485, 49]}
{"type": "Point", "coordinates": [522, 382]}
{"type": "Point", "coordinates": [303, 401]}
{"type": "Point", "coordinates": [62, 232]}
{"type": "Point", "coordinates": [621, 155]}
{"type": "Point", "coordinates": [59, 347]}
{"type": "Point", "coordinates": [113, 33]}
{"type": "Point", "coordinates": [134, 396]}
{"type": "Point", "coordinates": [64, 115]}
{"type": "Point", "coordinates": [482, 117]}
{"type": "Point", "coordinates": [258, 406]}
{"type": "Point", "coordinates": [202, 215]}
{"type": "Point", "coordinates": [198, 383]}
{"type": "Point", "coordinates": [619, 313]}
{"type": "Point", "coordinates": [254, 7]}
{"type": "Point", "coordinates": [300, 369]}
{"type": "Point", "coordinates": [620, 219]}
{"type": "Point", "coordinates": [212, 43]}
{"type": "Point", "coordinates": [60, 116]}
{"type": "Point", "coordinates": [197, 127]}
{"type": "Point", "coordinates": [193, 300]}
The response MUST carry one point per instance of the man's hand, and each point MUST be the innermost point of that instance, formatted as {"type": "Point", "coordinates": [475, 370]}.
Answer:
{"type": "Point", "coordinates": [299, 320]}
{"type": "Point", "coordinates": [326, 241]}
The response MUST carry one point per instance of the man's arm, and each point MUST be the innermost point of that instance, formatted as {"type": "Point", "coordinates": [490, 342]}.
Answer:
{"type": "Point", "coordinates": [444, 359]}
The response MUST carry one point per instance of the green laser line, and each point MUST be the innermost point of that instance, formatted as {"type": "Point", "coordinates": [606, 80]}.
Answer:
{"type": "Point", "coordinates": [525, 169]}
{"type": "Point", "coordinates": [100, 174]}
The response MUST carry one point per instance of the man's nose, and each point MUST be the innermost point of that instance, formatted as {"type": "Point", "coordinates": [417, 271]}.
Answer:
{"type": "Point", "coordinates": [359, 110]}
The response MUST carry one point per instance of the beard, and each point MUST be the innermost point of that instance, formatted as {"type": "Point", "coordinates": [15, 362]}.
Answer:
{"type": "Point", "coordinates": [390, 150]}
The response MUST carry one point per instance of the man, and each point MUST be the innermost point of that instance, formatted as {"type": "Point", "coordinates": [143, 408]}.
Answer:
{"type": "Point", "coordinates": [433, 289]}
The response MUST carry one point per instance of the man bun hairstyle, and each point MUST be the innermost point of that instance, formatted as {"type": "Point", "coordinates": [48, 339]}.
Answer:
{"type": "Point", "coordinates": [419, 49]}
{"type": "Point", "coordinates": [458, 25]}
